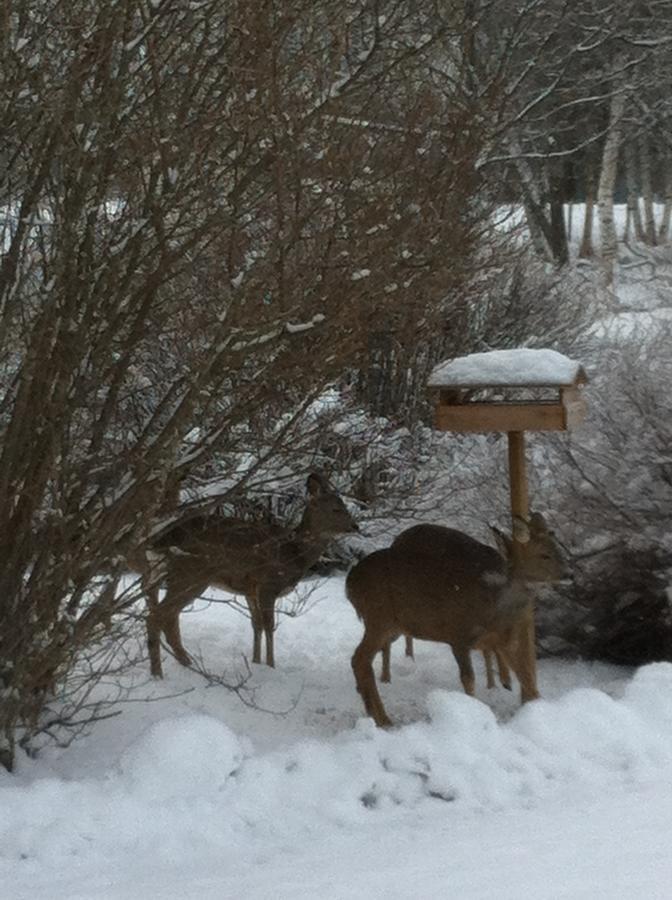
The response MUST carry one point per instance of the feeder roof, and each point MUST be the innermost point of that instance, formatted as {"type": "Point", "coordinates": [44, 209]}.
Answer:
{"type": "Point", "coordinates": [508, 368]}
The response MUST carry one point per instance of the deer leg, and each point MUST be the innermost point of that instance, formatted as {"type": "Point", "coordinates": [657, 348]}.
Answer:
{"type": "Point", "coordinates": [515, 656]}
{"type": "Point", "coordinates": [503, 670]}
{"type": "Point", "coordinates": [489, 669]}
{"type": "Point", "coordinates": [509, 656]}
{"type": "Point", "coordinates": [153, 631]}
{"type": "Point", "coordinates": [257, 624]}
{"type": "Point", "coordinates": [170, 625]}
{"type": "Point", "coordinates": [362, 666]}
{"type": "Point", "coordinates": [462, 656]}
{"type": "Point", "coordinates": [178, 595]}
{"type": "Point", "coordinates": [267, 606]}
{"type": "Point", "coordinates": [385, 674]}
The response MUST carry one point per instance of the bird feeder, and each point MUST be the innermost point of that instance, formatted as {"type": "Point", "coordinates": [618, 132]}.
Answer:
{"type": "Point", "coordinates": [512, 391]}
{"type": "Point", "coordinates": [509, 390]}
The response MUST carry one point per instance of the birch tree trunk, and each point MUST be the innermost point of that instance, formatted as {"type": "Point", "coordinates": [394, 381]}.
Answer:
{"type": "Point", "coordinates": [586, 250]}
{"type": "Point", "coordinates": [664, 230]}
{"type": "Point", "coordinates": [650, 236]}
{"type": "Point", "coordinates": [537, 236]}
{"type": "Point", "coordinates": [634, 214]}
{"type": "Point", "coordinates": [605, 188]}
{"type": "Point", "coordinates": [558, 231]}
{"type": "Point", "coordinates": [534, 212]}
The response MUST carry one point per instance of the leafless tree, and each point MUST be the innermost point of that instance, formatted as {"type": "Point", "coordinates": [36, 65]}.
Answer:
{"type": "Point", "coordinates": [207, 212]}
{"type": "Point", "coordinates": [578, 78]}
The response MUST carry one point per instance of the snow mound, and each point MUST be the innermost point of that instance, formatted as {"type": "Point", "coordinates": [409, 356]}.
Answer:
{"type": "Point", "coordinates": [184, 757]}
{"type": "Point", "coordinates": [190, 786]}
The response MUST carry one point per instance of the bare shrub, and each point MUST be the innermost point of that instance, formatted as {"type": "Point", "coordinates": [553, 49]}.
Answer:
{"type": "Point", "coordinates": [611, 486]}
{"type": "Point", "coordinates": [207, 209]}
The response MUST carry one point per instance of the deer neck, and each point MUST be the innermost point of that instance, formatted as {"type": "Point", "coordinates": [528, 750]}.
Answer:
{"type": "Point", "coordinates": [516, 577]}
{"type": "Point", "coordinates": [516, 563]}
{"type": "Point", "coordinates": [514, 594]}
{"type": "Point", "coordinates": [312, 541]}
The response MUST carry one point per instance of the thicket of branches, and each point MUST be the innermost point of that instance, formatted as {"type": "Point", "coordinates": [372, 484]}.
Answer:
{"type": "Point", "coordinates": [208, 209]}
{"type": "Point", "coordinates": [585, 114]}
{"type": "Point", "coordinates": [211, 213]}
{"type": "Point", "coordinates": [614, 484]}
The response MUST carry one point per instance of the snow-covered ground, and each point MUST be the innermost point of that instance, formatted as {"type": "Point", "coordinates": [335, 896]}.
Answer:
{"type": "Point", "coordinates": [287, 791]}
{"type": "Point", "coordinates": [202, 796]}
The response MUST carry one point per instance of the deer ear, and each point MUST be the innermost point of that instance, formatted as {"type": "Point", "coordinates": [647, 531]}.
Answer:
{"type": "Point", "coordinates": [538, 523]}
{"type": "Point", "coordinates": [503, 541]}
{"type": "Point", "coordinates": [316, 484]}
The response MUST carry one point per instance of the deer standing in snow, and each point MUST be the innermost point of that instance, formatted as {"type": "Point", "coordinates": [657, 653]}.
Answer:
{"type": "Point", "coordinates": [438, 584]}
{"type": "Point", "coordinates": [414, 539]}
{"type": "Point", "coordinates": [260, 561]}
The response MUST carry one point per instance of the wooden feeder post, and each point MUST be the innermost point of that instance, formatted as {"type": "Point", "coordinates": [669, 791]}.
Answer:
{"type": "Point", "coordinates": [534, 390]}
{"type": "Point", "coordinates": [520, 502]}
{"type": "Point", "coordinates": [520, 509]}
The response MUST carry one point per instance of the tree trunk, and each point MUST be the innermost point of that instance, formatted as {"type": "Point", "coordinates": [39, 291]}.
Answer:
{"type": "Point", "coordinates": [664, 231]}
{"type": "Point", "coordinates": [605, 188]}
{"type": "Point", "coordinates": [650, 236]}
{"type": "Point", "coordinates": [7, 744]}
{"type": "Point", "coordinates": [586, 247]}
{"type": "Point", "coordinates": [536, 219]}
{"type": "Point", "coordinates": [535, 224]}
{"type": "Point", "coordinates": [558, 232]}
{"type": "Point", "coordinates": [634, 214]}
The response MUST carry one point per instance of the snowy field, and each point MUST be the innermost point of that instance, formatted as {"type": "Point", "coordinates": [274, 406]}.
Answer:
{"type": "Point", "coordinates": [289, 792]}
{"type": "Point", "coordinates": [202, 796]}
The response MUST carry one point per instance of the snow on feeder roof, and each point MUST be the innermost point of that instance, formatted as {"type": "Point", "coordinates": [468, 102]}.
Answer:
{"type": "Point", "coordinates": [509, 368]}
{"type": "Point", "coordinates": [536, 390]}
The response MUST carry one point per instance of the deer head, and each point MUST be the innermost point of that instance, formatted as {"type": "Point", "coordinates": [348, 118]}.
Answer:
{"type": "Point", "coordinates": [533, 553]}
{"type": "Point", "coordinates": [325, 514]}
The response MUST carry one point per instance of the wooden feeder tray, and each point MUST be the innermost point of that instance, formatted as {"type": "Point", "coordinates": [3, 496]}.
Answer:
{"type": "Point", "coordinates": [509, 390]}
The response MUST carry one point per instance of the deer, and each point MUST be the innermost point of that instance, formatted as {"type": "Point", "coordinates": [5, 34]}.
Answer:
{"type": "Point", "coordinates": [414, 538]}
{"type": "Point", "coordinates": [439, 584]}
{"type": "Point", "coordinates": [258, 560]}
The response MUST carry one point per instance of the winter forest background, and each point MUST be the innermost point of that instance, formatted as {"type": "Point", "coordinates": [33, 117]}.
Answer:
{"type": "Point", "coordinates": [235, 239]}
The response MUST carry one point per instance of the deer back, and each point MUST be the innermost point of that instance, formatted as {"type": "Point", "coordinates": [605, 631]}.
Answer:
{"type": "Point", "coordinates": [430, 592]}
{"type": "Point", "coordinates": [454, 548]}
{"type": "Point", "coordinates": [234, 554]}
{"type": "Point", "coordinates": [531, 556]}
{"type": "Point", "coordinates": [437, 583]}
{"type": "Point", "coordinates": [239, 555]}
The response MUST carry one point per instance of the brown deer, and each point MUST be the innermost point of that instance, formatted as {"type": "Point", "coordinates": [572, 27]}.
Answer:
{"type": "Point", "coordinates": [414, 539]}
{"type": "Point", "coordinates": [439, 584]}
{"type": "Point", "coordinates": [260, 561]}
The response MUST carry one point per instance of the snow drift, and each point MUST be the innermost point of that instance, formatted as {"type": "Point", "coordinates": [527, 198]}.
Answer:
{"type": "Point", "coordinates": [190, 786]}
